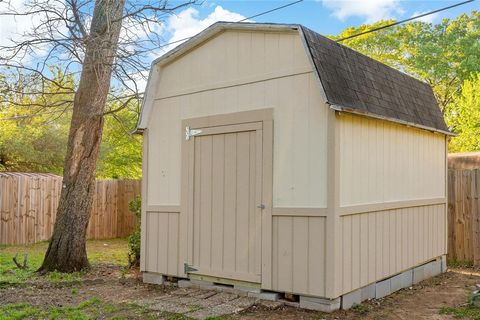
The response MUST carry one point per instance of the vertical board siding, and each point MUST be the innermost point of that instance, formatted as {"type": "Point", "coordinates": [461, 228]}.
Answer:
{"type": "Point", "coordinates": [298, 262]}
{"type": "Point", "coordinates": [227, 178]}
{"type": "Point", "coordinates": [464, 215]}
{"type": "Point", "coordinates": [162, 235]}
{"type": "Point", "coordinates": [28, 207]}
{"type": "Point", "coordinates": [300, 116]}
{"type": "Point", "coordinates": [381, 161]}
{"type": "Point", "coordinates": [377, 245]}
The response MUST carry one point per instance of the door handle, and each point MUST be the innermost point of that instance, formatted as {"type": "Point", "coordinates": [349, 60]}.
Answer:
{"type": "Point", "coordinates": [261, 206]}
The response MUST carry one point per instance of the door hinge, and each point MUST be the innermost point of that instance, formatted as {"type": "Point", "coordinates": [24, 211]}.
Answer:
{"type": "Point", "coordinates": [187, 268]}
{"type": "Point", "coordinates": [191, 132]}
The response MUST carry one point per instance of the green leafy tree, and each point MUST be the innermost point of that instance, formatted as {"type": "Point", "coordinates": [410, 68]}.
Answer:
{"type": "Point", "coordinates": [443, 54]}
{"type": "Point", "coordinates": [35, 141]}
{"type": "Point", "coordinates": [32, 141]}
{"type": "Point", "coordinates": [382, 45]}
{"type": "Point", "coordinates": [464, 117]}
{"type": "Point", "coordinates": [120, 151]}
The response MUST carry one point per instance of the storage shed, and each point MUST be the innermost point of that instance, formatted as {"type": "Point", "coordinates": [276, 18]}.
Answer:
{"type": "Point", "coordinates": [279, 160]}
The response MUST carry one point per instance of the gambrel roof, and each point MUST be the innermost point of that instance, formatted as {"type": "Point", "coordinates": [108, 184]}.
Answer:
{"type": "Point", "coordinates": [351, 81]}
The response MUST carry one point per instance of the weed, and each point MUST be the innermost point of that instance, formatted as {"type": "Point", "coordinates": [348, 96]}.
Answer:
{"type": "Point", "coordinates": [361, 308]}
{"type": "Point", "coordinates": [459, 263]}
{"type": "Point", "coordinates": [56, 277]}
{"type": "Point", "coordinates": [17, 311]}
{"type": "Point", "coordinates": [194, 307]}
{"type": "Point", "coordinates": [173, 316]}
{"type": "Point", "coordinates": [468, 311]}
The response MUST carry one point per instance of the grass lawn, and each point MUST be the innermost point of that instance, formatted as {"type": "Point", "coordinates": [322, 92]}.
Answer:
{"type": "Point", "coordinates": [63, 296]}
{"type": "Point", "coordinates": [99, 251]}
{"type": "Point", "coordinates": [93, 308]}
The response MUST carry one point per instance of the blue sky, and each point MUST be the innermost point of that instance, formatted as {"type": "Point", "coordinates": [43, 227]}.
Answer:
{"type": "Point", "coordinates": [324, 16]}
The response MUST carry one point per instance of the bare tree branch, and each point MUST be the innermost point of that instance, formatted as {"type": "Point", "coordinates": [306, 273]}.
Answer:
{"type": "Point", "coordinates": [23, 266]}
{"type": "Point", "coordinates": [59, 36]}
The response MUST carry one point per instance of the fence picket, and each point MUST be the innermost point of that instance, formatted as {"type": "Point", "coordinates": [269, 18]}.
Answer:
{"type": "Point", "coordinates": [464, 215]}
{"type": "Point", "coordinates": [28, 204]}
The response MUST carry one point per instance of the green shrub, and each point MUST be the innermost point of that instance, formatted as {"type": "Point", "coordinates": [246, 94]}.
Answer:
{"type": "Point", "coordinates": [134, 239]}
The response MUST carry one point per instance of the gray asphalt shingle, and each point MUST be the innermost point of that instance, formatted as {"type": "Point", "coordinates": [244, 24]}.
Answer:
{"type": "Point", "coordinates": [354, 81]}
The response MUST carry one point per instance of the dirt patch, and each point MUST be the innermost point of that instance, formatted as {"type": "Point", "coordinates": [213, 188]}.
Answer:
{"type": "Point", "coordinates": [422, 301]}
{"type": "Point", "coordinates": [110, 284]}
{"type": "Point", "coordinates": [107, 282]}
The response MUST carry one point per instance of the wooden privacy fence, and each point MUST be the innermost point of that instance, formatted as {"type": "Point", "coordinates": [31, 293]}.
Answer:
{"type": "Point", "coordinates": [28, 205]}
{"type": "Point", "coordinates": [464, 215]}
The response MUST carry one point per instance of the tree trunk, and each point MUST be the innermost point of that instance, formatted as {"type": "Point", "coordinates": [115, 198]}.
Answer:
{"type": "Point", "coordinates": [67, 249]}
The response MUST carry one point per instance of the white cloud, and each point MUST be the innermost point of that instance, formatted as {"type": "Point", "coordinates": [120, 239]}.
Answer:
{"type": "Point", "coordinates": [14, 26]}
{"type": "Point", "coordinates": [20, 27]}
{"type": "Point", "coordinates": [370, 10]}
{"type": "Point", "coordinates": [427, 19]}
{"type": "Point", "coordinates": [187, 23]}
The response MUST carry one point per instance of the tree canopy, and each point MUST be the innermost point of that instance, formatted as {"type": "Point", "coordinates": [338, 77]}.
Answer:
{"type": "Point", "coordinates": [464, 117]}
{"type": "Point", "coordinates": [34, 138]}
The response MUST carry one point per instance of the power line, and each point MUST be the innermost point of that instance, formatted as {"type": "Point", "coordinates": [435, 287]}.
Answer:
{"type": "Point", "coordinates": [405, 20]}
{"type": "Point", "coordinates": [271, 10]}
{"type": "Point", "coordinates": [244, 19]}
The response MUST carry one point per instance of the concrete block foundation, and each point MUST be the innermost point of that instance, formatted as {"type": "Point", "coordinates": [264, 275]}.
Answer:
{"type": "Point", "coordinates": [443, 263]}
{"type": "Point", "coordinates": [320, 304]}
{"type": "Point", "coordinates": [352, 298]}
{"type": "Point", "coordinates": [432, 269]}
{"type": "Point", "coordinates": [383, 289]}
{"type": "Point", "coordinates": [368, 292]}
{"type": "Point", "coordinates": [265, 295]}
{"type": "Point", "coordinates": [375, 290]}
{"type": "Point", "coordinates": [418, 274]}
{"type": "Point", "coordinates": [153, 278]}
{"type": "Point", "coordinates": [247, 289]}
{"type": "Point", "coordinates": [402, 280]}
{"type": "Point", "coordinates": [397, 282]}
{"type": "Point", "coordinates": [236, 289]}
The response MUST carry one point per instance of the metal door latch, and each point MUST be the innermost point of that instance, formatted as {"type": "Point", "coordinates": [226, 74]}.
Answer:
{"type": "Point", "coordinates": [261, 206]}
{"type": "Point", "coordinates": [191, 132]}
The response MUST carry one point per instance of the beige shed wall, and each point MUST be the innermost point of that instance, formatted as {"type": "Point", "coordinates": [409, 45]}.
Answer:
{"type": "Point", "coordinates": [298, 260]}
{"type": "Point", "coordinates": [162, 229]}
{"type": "Point", "coordinates": [254, 71]}
{"type": "Point", "coordinates": [381, 161]}
{"type": "Point", "coordinates": [392, 200]}
{"type": "Point", "coordinates": [376, 245]}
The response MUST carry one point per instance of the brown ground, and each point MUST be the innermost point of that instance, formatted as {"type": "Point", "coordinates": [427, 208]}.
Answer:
{"type": "Point", "coordinates": [423, 301]}
{"type": "Point", "coordinates": [104, 282]}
